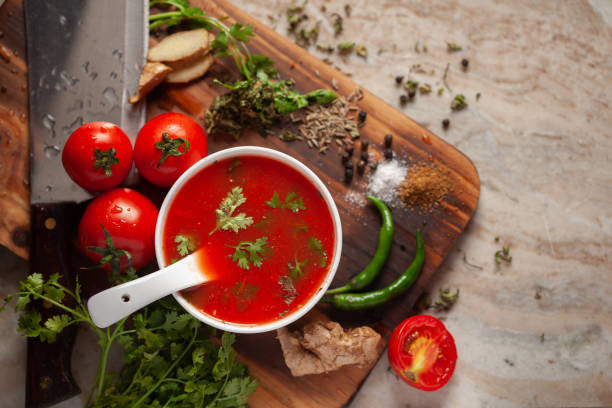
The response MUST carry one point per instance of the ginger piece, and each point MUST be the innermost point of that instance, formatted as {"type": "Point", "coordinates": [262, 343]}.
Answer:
{"type": "Point", "coordinates": [192, 71]}
{"type": "Point", "coordinates": [182, 46]}
{"type": "Point", "coordinates": [153, 73]}
{"type": "Point", "coordinates": [320, 347]}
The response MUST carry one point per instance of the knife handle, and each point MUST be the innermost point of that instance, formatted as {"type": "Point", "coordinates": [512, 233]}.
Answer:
{"type": "Point", "coordinates": [49, 378]}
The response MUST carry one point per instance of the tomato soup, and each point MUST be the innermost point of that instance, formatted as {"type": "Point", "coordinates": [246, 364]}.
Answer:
{"type": "Point", "coordinates": [264, 230]}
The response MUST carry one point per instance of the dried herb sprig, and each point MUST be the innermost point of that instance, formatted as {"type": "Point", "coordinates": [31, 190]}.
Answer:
{"type": "Point", "coordinates": [503, 255]}
{"type": "Point", "coordinates": [452, 47]}
{"type": "Point", "coordinates": [458, 102]}
{"type": "Point", "coordinates": [447, 299]}
{"type": "Point", "coordinates": [259, 103]}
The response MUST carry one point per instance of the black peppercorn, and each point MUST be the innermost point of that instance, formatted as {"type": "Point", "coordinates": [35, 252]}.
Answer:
{"type": "Point", "coordinates": [388, 154]}
{"type": "Point", "coordinates": [411, 92]}
{"type": "Point", "coordinates": [465, 62]}
{"type": "Point", "coordinates": [399, 79]}
{"type": "Point", "coordinates": [348, 174]}
{"type": "Point", "coordinates": [349, 165]}
{"type": "Point", "coordinates": [349, 149]}
{"type": "Point", "coordinates": [346, 156]}
{"type": "Point", "coordinates": [446, 122]}
{"type": "Point", "coordinates": [364, 145]}
{"type": "Point", "coordinates": [403, 99]}
{"type": "Point", "coordinates": [364, 156]}
{"type": "Point", "coordinates": [362, 116]}
{"type": "Point", "coordinates": [361, 166]}
{"type": "Point", "coordinates": [388, 140]}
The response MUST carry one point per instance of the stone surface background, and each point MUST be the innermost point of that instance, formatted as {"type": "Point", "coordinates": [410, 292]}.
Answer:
{"type": "Point", "coordinates": [537, 332]}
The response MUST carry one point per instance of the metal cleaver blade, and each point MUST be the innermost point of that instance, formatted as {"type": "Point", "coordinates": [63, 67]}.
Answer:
{"type": "Point", "coordinates": [84, 59]}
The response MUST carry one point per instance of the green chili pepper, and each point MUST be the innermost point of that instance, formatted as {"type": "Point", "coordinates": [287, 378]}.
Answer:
{"type": "Point", "coordinates": [357, 301]}
{"type": "Point", "coordinates": [385, 239]}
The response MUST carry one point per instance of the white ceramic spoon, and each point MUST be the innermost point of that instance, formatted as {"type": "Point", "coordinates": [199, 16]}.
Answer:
{"type": "Point", "coordinates": [113, 304]}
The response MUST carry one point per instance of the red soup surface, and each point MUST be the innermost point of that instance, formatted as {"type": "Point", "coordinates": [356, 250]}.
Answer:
{"type": "Point", "coordinates": [279, 255]}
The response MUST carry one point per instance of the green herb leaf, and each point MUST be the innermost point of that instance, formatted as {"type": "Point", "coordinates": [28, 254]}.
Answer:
{"type": "Point", "coordinates": [249, 252]}
{"type": "Point", "coordinates": [57, 323]}
{"type": "Point", "coordinates": [317, 246]}
{"type": "Point", "coordinates": [452, 47]}
{"type": "Point", "coordinates": [362, 51]}
{"type": "Point", "coordinates": [296, 268]}
{"type": "Point", "coordinates": [292, 202]}
{"type": "Point", "coordinates": [275, 201]}
{"type": "Point", "coordinates": [346, 46]}
{"type": "Point", "coordinates": [225, 219]}
{"type": "Point", "coordinates": [184, 245]}
{"type": "Point", "coordinates": [459, 102]}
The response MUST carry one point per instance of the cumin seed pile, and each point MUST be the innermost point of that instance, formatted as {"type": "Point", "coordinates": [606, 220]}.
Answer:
{"type": "Point", "coordinates": [424, 187]}
{"type": "Point", "coordinates": [320, 125]}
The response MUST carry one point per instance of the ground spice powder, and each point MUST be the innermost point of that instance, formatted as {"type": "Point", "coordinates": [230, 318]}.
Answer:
{"type": "Point", "coordinates": [424, 187]}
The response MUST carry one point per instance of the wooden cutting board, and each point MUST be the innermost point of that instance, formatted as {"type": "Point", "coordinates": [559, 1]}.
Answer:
{"type": "Point", "coordinates": [360, 224]}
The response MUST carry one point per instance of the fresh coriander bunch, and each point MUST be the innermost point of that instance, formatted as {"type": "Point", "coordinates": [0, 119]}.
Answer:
{"type": "Point", "coordinates": [170, 359]}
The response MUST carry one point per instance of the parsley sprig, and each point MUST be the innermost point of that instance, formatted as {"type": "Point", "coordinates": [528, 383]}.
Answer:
{"type": "Point", "coordinates": [249, 252]}
{"type": "Point", "coordinates": [170, 358]}
{"type": "Point", "coordinates": [226, 220]}
{"type": "Point", "coordinates": [184, 245]}
{"type": "Point", "coordinates": [292, 202]}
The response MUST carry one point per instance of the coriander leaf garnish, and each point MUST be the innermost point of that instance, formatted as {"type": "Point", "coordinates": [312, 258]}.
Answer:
{"type": "Point", "coordinates": [317, 246]}
{"type": "Point", "coordinates": [292, 202]}
{"type": "Point", "coordinates": [184, 245]}
{"type": "Point", "coordinates": [225, 218]}
{"type": "Point", "coordinates": [169, 357]}
{"type": "Point", "coordinates": [275, 201]}
{"type": "Point", "coordinates": [249, 252]}
{"type": "Point", "coordinates": [295, 268]}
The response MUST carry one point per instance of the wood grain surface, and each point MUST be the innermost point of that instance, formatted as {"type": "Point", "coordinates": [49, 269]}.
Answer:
{"type": "Point", "coordinates": [412, 143]}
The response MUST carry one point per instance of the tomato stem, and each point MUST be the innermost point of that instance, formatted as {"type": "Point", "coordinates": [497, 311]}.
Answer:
{"type": "Point", "coordinates": [170, 147]}
{"type": "Point", "coordinates": [105, 159]}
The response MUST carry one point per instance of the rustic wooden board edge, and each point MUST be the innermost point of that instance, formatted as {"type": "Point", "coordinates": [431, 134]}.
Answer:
{"type": "Point", "coordinates": [14, 189]}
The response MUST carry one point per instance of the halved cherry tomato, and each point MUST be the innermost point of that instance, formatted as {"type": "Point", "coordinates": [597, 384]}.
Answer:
{"type": "Point", "coordinates": [98, 156]}
{"type": "Point", "coordinates": [167, 145]}
{"type": "Point", "coordinates": [422, 352]}
{"type": "Point", "coordinates": [130, 219]}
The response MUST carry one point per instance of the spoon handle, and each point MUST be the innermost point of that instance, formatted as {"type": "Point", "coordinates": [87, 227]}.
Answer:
{"type": "Point", "coordinates": [113, 304]}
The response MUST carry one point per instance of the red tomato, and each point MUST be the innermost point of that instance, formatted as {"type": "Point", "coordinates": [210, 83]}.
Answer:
{"type": "Point", "coordinates": [98, 156]}
{"type": "Point", "coordinates": [422, 352]}
{"type": "Point", "coordinates": [167, 145]}
{"type": "Point", "coordinates": [130, 219]}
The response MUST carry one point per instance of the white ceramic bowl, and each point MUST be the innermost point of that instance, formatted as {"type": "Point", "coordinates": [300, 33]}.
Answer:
{"type": "Point", "coordinates": [291, 162]}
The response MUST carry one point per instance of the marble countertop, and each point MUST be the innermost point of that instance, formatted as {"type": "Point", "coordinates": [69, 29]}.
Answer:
{"type": "Point", "coordinates": [537, 332]}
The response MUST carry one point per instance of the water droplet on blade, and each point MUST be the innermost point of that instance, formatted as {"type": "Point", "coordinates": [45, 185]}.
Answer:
{"type": "Point", "coordinates": [93, 75]}
{"type": "Point", "coordinates": [48, 188]}
{"type": "Point", "coordinates": [52, 151]}
{"type": "Point", "coordinates": [48, 122]}
{"type": "Point", "coordinates": [62, 20]}
{"type": "Point", "coordinates": [110, 96]}
{"type": "Point", "coordinates": [113, 75]}
{"type": "Point", "coordinates": [68, 80]}
{"type": "Point", "coordinates": [78, 122]}
{"type": "Point", "coordinates": [117, 54]}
